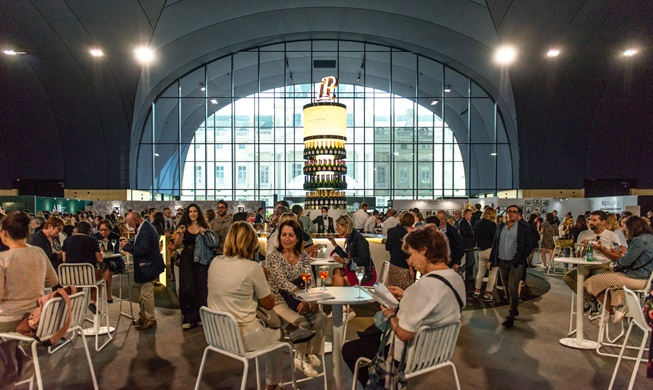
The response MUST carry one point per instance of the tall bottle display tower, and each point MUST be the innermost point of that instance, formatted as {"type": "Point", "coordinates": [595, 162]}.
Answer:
{"type": "Point", "coordinates": [325, 135]}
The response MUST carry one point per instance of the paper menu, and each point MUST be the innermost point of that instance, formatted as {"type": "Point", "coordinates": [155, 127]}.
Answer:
{"type": "Point", "coordinates": [382, 295]}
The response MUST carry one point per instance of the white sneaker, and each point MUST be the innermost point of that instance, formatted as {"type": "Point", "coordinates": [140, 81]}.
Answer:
{"type": "Point", "coordinates": [305, 367]}
{"type": "Point", "coordinates": [313, 360]}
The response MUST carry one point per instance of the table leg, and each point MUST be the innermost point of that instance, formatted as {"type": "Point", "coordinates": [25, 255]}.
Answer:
{"type": "Point", "coordinates": [336, 355]}
{"type": "Point", "coordinates": [579, 342]}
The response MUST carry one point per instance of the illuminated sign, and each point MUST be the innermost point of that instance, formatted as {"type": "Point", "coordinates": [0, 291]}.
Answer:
{"type": "Point", "coordinates": [327, 89]}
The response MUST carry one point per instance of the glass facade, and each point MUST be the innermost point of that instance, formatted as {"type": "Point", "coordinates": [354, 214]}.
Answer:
{"type": "Point", "coordinates": [232, 128]}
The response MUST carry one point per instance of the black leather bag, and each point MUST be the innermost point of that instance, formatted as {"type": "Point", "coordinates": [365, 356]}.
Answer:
{"type": "Point", "coordinates": [290, 299]}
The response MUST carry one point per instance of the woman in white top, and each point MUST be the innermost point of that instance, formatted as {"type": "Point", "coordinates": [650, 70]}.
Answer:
{"type": "Point", "coordinates": [237, 285]}
{"type": "Point", "coordinates": [25, 271]}
{"type": "Point", "coordinates": [428, 301]}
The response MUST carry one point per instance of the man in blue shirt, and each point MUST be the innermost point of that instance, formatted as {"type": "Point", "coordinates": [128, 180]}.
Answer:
{"type": "Point", "coordinates": [510, 249]}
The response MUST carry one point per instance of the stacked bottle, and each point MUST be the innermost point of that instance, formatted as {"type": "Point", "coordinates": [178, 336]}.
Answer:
{"type": "Point", "coordinates": [326, 198]}
{"type": "Point", "coordinates": [325, 165]}
{"type": "Point", "coordinates": [325, 169]}
{"type": "Point", "coordinates": [328, 147]}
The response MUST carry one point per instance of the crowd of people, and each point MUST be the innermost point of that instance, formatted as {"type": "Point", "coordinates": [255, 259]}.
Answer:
{"type": "Point", "coordinates": [221, 265]}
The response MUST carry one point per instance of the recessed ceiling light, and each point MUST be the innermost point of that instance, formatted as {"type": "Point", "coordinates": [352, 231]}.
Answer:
{"type": "Point", "coordinates": [447, 89]}
{"type": "Point", "coordinates": [553, 53]}
{"type": "Point", "coordinates": [493, 154]}
{"type": "Point", "coordinates": [433, 103]}
{"type": "Point", "coordinates": [156, 154]}
{"type": "Point", "coordinates": [144, 54]}
{"type": "Point", "coordinates": [505, 55]}
{"type": "Point", "coordinates": [202, 87]}
{"type": "Point", "coordinates": [10, 52]}
{"type": "Point", "coordinates": [214, 101]}
{"type": "Point", "coordinates": [630, 52]}
{"type": "Point", "coordinates": [96, 52]}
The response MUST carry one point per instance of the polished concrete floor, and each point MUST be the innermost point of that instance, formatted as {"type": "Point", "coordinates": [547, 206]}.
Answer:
{"type": "Point", "coordinates": [487, 356]}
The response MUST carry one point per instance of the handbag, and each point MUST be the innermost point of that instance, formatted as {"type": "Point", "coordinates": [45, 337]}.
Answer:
{"type": "Point", "coordinates": [290, 299]}
{"type": "Point", "coordinates": [384, 374]}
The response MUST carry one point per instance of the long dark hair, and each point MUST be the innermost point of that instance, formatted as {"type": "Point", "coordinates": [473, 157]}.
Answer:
{"type": "Point", "coordinates": [581, 222]}
{"type": "Point", "coordinates": [299, 246]}
{"type": "Point", "coordinates": [185, 218]}
{"type": "Point", "coordinates": [636, 226]}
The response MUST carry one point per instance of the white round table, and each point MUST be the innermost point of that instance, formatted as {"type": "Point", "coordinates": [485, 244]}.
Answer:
{"type": "Point", "coordinates": [579, 341]}
{"type": "Point", "coordinates": [342, 296]}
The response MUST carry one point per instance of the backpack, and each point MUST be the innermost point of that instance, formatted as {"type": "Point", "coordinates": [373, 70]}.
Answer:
{"type": "Point", "coordinates": [30, 323]}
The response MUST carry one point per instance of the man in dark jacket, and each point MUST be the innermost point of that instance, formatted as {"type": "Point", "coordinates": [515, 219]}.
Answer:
{"type": "Point", "coordinates": [456, 248]}
{"type": "Point", "coordinates": [512, 244]}
{"type": "Point", "coordinates": [148, 264]}
{"type": "Point", "coordinates": [324, 222]}
{"type": "Point", "coordinates": [466, 229]}
{"type": "Point", "coordinates": [477, 214]}
{"type": "Point", "coordinates": [44, 237]}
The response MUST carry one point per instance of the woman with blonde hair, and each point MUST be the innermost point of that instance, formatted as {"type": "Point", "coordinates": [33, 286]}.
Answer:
{"type": "Point", "coordinates": [484, 231]}
{"type": "Point", "coordinates": [237, 285]}
{"type": "Point", "coordinates": [612, 224]}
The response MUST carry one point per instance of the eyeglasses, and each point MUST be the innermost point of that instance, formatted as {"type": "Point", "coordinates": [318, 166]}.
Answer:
{"type": "Point", "coordinates": [512, 211]}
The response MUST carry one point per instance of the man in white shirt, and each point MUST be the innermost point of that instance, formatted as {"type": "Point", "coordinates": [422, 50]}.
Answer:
{"type": "Point", "coordinates": [360, 217]}
{"type": "Point", "coordinates": [370, 224]}
{"type": "Point", "coordinates": [602, 241]}
{"type": "Point", "coordinates": [390, 222]}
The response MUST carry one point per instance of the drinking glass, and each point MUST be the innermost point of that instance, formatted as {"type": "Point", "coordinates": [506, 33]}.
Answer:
{"type": "Point", "coordinates": [360, 272]}
{"type": "Point", "coordinates": [113, 245]}
{"type": "Point", "coordinates": [324, 273]}
{"type": "Point", "coordinates": [306, 277]}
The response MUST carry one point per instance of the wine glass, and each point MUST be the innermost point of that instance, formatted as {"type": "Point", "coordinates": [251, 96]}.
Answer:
{"type": "Point", "coordinates": [306, 277]}
{"type": "Point", "coordinates": [360, 272]}
{"type": "Point", "coordinates": [324, 273]}
{"type": "Point", "coordinates": [113, 244]}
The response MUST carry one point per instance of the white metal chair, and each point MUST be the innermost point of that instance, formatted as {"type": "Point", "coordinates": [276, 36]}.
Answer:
{"type": "Point", "coordinates": [635, 311]}
{"type": "Point", "coordinates": [223, 336]}
{"type": "Point", "coordinates": [604, 339]}
{"type": "Point", "coordinates": [53, 318]}
{"type": "Point", "coordinates": [558, 251]}
{"type": "Point", "coordinates": [429, 350]}
{"type": "Point", "coordinates": [83, 276]}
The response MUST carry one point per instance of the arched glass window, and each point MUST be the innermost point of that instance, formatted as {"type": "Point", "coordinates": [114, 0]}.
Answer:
{"type": "Point", "coordinates": [232, 128]}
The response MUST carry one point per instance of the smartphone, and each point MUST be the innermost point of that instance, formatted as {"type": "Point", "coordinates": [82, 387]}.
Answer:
{"type": "Point", "coordinates": [616, 247]}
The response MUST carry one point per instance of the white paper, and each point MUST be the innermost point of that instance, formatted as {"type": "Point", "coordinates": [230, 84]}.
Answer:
{"type": "Point", "coordinates": [313, 296]}
{"type": "Point", "coordinates": [382, 295]}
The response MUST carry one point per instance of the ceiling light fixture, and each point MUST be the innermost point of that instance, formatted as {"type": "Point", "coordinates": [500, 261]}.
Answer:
{"type": "Point", "coordinates": [214, 101]}
{"type": "Point", "coordinates": [553, 53]}
{"type": "Point", "coordinates": [291, 76]}
{"type": "Point", "coordinates": [505, 55]}
{"type": "Point", "coordinates": [630, 52]}
{"type": "Point", "coordinates": [493, 154]}
{"type": "Point", "coordinates": [434, 102]}
{"type": "Point", "coordinates": [447, 88]}
{"type": "Point", "coordinates": [144, 55]}
{"type": "Point", "coordinates": [463, 112]}
{"type": "Point", "coordinates": [96, 52]}
{"type": "Point", "coordinates": [10, 52]}
{"type": "Point", "coordinates": [358, 79]}
{"type": "Point", "coordinates": [202, 87]}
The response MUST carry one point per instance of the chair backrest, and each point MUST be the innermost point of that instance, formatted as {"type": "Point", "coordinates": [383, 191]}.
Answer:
{"type": "Point", "coordinates": [221, 331]}
{"type": "Point", "coordinates": [55, 311]}
{"type": "Point", "coordinates": [635, 309]}
{"type": "Point", "coordinates": [385, 270]}
{"type": "Point", "coordinates": [77, 274]}
{"type": "Point", "coordinates": [431, 346]}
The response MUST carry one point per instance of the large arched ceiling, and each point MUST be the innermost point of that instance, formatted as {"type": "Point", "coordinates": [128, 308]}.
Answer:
{"type": "Point", "coordinates": [70, 117]}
